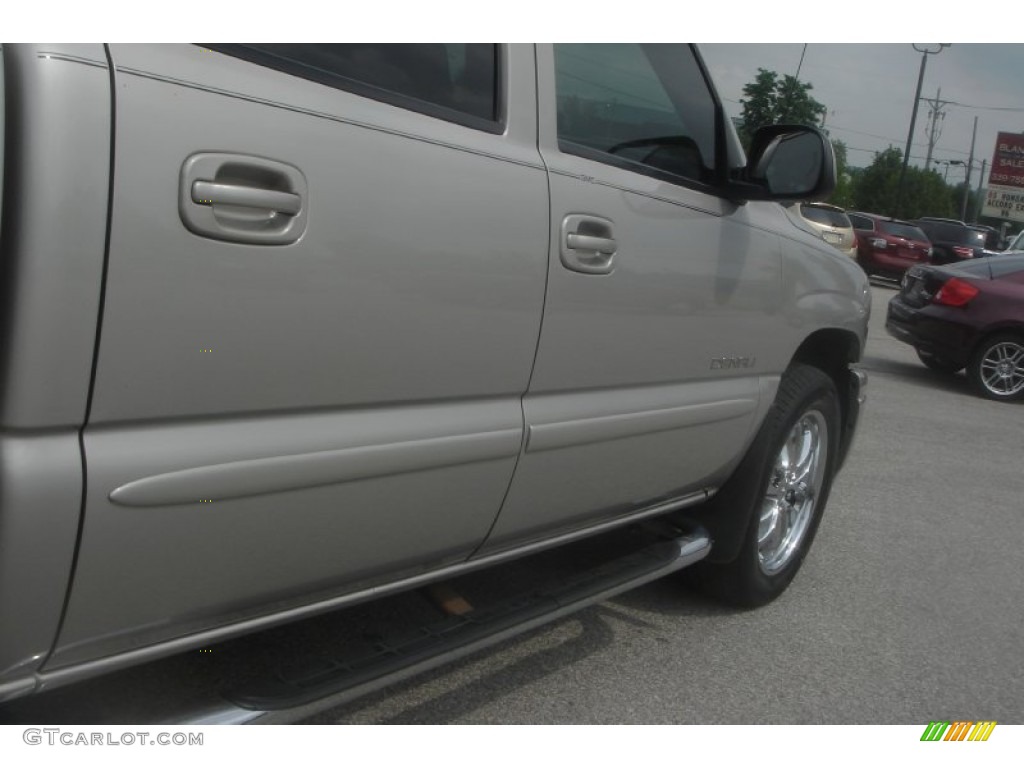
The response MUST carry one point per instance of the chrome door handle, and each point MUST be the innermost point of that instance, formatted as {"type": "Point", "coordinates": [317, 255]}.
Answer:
{"type": "Point", "coordinates": [213, 193]}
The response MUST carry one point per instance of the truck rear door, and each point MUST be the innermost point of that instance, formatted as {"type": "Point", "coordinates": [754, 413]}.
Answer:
{"type": "Point", "coordinates": [323, 298]}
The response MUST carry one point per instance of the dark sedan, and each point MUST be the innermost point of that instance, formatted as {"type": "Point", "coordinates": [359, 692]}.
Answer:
{"type": "Point", "coordinates": [968, 315]}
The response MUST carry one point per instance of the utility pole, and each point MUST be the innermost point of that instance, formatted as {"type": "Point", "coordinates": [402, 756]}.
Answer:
{"type": "Point", "coordinates": [798, 66]}
{"type": "Point", "coordinates": [935, 129]}
{"type": "Point", "coordinates": [925, 53]}
{"type": "Point", "coordinates": [977, 196]}
{"type": "Point", "coordinates": [967, 181]}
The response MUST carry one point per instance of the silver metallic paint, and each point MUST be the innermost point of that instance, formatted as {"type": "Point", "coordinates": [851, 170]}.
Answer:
{"type": "Point", "coordinates": [324, 395]}
{"type": "Point", "coordinates": [57, 128]}
{"type": "Point", "coordinates": [59, 115]}
{"type": "Point", "coordinates": [291, 382]}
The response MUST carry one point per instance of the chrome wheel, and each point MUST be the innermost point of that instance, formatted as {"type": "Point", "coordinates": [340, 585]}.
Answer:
{"type": "Point", "coordinates": [1001, 369]}
{"type": "Point", "coordinates": [793, 488]}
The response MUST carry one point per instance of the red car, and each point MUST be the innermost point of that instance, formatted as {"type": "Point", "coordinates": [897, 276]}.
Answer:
{"type": "Point", "coordinates": [968, 315]}
{"type": "Point", "coordinates": [888, 247]}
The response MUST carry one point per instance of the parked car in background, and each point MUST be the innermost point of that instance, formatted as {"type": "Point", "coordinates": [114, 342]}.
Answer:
{"type": "Point", "coordinates": [952, 240]}
{"type": "Point", "coordinates": [831, 223]}
{"type": "Point", "coordinates": [994, 242]}
{"type": "Point", "coordinates": [968, 315]}
{"type": "Point", "coordinates": [888, 246]}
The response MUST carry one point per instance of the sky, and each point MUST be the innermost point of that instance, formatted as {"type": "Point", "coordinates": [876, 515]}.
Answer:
{"type": "Point", "coordinates": [869, 92]}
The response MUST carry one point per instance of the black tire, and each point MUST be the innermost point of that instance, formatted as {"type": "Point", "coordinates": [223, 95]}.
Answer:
{"type": "Point", "coordinates": [806, 396]}
{"type": "Point", "coordinates": [997, 368]}
{"type": "Point", "coordinates": [937, 363]}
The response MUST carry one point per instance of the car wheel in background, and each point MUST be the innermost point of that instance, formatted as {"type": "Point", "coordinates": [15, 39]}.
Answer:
{"type": "Point", "coordinates": [997, 369]}
{"type": "Point", "coordinates": [783, 481]}
{"type": "Point", "coordinates": [937, 363]}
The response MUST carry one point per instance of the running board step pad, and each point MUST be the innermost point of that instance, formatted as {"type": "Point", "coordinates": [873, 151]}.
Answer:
{"type": "Point", "coordinates": [429, 646]}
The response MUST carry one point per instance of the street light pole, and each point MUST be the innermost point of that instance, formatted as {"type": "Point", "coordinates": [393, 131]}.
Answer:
{"type": "Point", "coordinates": [925, 53]}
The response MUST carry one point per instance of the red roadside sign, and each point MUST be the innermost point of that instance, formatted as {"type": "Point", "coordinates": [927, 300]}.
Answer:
{"type": "Point", "coordinates": [1004, 198]}
{"type": "Point", "coordinates": [1008, 161]}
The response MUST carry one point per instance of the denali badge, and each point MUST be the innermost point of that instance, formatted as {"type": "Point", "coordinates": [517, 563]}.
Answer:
{"type": "Point", "coordinates": [732, 362]}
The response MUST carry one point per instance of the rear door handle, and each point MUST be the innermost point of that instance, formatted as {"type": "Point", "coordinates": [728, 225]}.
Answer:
{"type": "Point", "coordinates": [602, 245]}
{"type": "Point", "coordinates": [212, 193]}
{"type": "Point", "coordinates": [586, 244]}
{"type": "Point", "coordinates": [243, 198]}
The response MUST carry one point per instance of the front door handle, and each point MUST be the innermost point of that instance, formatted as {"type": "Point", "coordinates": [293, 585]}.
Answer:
{"type": "Point", "coordinates": [586, 244]}
{"type": "Point", "coordinates": [602, 245]}
{"type": "Point", "coordinates": [243, 198]}
{"type": "Point", "coordinates": [212, 193]}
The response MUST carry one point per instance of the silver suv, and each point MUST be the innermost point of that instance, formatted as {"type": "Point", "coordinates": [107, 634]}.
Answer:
{"type": "Point", "coordinates": [302, 326]}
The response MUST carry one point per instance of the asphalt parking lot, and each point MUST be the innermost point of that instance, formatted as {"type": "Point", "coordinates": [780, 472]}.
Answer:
{"type": "Point", "coordinates": [908, 608]}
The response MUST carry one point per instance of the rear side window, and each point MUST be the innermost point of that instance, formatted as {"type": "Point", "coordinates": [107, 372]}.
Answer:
{"type": "Point", "coordinates": [825, 216]}
{"type": "Point", "coordinates": [973, 238]}
{"type": "Point", "coordinates": [941, 231]}
{"type": "Point", "coordinates": [907, 231]}
{"type": "Point", "coordinates": [453, 81]}
{"type": "Point", "coordinates": [861, 222]}
{"type": "Point", "coordinates": [644, 107]}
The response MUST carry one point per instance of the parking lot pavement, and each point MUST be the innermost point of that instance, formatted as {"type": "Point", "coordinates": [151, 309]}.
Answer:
{"type": "Point", "coordinates": [908, 608]}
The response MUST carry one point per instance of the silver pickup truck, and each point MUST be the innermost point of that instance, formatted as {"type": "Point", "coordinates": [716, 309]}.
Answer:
{"type": "Point", "coordinates": [291, 328]}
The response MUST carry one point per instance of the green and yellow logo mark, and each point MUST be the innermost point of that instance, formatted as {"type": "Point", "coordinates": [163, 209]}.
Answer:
{"type": "Point", "coordinates": [961, 730]}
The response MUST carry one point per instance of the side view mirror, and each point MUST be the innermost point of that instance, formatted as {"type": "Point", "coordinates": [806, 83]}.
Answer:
{"type": "Point", "coordinates": [788, 162]}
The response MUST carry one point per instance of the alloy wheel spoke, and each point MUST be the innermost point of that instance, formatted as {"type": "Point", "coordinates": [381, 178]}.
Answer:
{"type": "Point", "coordinates": [808, 456]}
{"type": "Point", "coordinates": [1002, 369]}
{"type": "Point", "coordinates": [789, 501]}
{"type": "Point", "coordinates": [769, 527]}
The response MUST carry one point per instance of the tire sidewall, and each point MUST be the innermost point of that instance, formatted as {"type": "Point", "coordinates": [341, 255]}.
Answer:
{"type": "Point", "coordinates": [808, 389]}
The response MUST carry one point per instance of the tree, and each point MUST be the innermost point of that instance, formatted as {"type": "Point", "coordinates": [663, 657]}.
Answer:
{"type": "Point", "coordinates": [770, 99]}
{"type": "Point", "coordinates": [925, 193]}
{"type": "Point", "coordinates": [876, 186]}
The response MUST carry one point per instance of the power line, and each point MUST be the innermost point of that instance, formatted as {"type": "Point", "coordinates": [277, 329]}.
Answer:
{"type": "Point", "coordinates": [994, 109]}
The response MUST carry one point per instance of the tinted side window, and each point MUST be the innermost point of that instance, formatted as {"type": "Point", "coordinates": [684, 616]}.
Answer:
{"type": "Point", "coordinates": [453, 81]}
{"type": "Point", "coordinates": [941, 231]}
{"type": "Point", "coordinates": [647, 107]}
{"type": "Point", "coordinates": [899, 229]}
{"type": "Point", "coordinates": [861, 222]}
{"type": "Point", "coordinates": [973, 238]}
{"type": "Point", "coordinates": [825, 216]}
